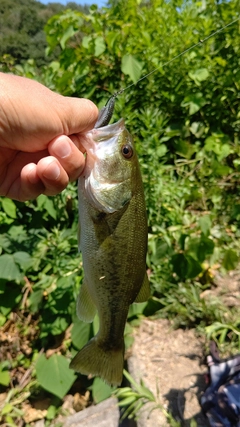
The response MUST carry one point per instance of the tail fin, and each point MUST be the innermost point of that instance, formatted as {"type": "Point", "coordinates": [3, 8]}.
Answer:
{"type": "Point", "coordinates": [95, 360]}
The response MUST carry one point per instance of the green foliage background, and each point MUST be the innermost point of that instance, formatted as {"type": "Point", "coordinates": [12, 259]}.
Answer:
{"type": "Point", "coordinates": [185, 119]}
{"type": "Point", "coordinates": [22, 29]}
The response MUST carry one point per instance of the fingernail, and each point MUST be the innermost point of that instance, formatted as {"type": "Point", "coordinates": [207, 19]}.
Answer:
{"type": "Point", "coordinates": [52, 171]}
{"type": "Point", "coordinates": [32, 175]}
{"type": "Point", "coordinates": [61, 149]}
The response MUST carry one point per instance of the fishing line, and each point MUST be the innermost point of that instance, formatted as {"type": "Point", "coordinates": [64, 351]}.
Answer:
{"type": "Point", "coordinates": [106, 112]}
{"type": "Point", "coordinates": [201, 42]}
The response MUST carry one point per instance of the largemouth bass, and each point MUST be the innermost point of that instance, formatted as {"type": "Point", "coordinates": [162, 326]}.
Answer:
{"type": "Point", "coordinates": [113, 241]}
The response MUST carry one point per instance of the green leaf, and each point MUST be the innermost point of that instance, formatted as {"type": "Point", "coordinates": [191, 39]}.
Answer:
{"type": "Point", "coordinates": [157, 249]}
{"type": "Point", "coordinates": [199, 248]}
{"type": "Point", "coordinates": [195, 102]}
{"type": "Point", "coordinates": [54, 374]}
{"type": "Point", "coordinates": [184, 148]}
{"type": "Point", "coordinates": [51, 413]}
{"type": "Point", "coordinates": [10, 298]}
{"type": "Point", "coordinates": [100, 46]}
{"type": "Point", "coordinates": [100, 390]}
{"type": "Point", "coordinates": [194, 267]}
{"type": "Point", "coordinates": [35, 300]}
{"type": "Point", "coordinates": [230, 260]}
{"type": "Point", "coordinates": [7, 409]}
{"type": "Point", "coordinates": [46, 203]}
{"type": "Point", "coordinates": [2, 320]}
{"type": "Point", "coordinates": [215, 143]}
{"type": "Point", "coordinates": [23, 259]}
{"type": "Point", "coordinates": [161, 150]}
{"type": "Point", "coordinates": [5, 378]}
{"type": "Point", "coordinates": [86, 41]}
{"type": "Point", "coordinates": [128, 400]}
{"type": "Point", "coordinates": [128, 336]}
{"type": "Point", "coordinates": [131, 67]}
{"type": "Point", "coordinates": [9, 207]}
{"type": "Point", "coordinates": [80, 334]}
{"type": "Point", "coordinates": [199, 75]}
{"type": "Point", "coordinates": [68, 33]}
{"type": "Point", "coordinates": [136, 309]}
{"type": "Point", "coordinates": [8, 268]}
{"type": "Point", "coordinates": [59, 325]}
{"type": "Point", "coordinates": [180, 265]}
{"type": "Point", "coordinates": [205, 224]}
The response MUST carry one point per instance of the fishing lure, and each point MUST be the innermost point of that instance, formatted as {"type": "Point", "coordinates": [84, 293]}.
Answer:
{"type": "Point", "coordinates": [105, 114]}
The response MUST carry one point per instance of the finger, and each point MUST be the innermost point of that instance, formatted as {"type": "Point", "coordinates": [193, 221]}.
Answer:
{"type": "Point", "coordinates": [68, 155]}
{"type": "Point", "coordinates": [77, 114]}
{"type": "Point", "coordinates": [18, 180]}
{"type": "Point", "coordinates": [52, 175]}
{"type": "Point", "coordinates": [29, 186]}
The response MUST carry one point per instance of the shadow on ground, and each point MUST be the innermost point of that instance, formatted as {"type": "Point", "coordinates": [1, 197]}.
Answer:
{"type": "Point", "coordinates": [180, 399]}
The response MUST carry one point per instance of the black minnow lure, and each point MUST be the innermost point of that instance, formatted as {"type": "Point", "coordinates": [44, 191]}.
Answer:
{"type": "Point", "coordinates": [105, 114]}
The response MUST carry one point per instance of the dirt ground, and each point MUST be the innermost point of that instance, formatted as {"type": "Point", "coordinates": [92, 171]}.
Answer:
{"type": "Point", "coordinates": [171, 362]}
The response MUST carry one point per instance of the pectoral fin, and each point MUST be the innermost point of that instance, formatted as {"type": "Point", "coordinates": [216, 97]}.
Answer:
{"type": "Point", "coordinates": [86, 309]}
{"type": "Point", "coordinates": [144, 292]}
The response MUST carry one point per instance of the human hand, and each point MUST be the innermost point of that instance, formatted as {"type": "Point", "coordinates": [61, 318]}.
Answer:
{"type": "Point", "coordinates": [40, 138]}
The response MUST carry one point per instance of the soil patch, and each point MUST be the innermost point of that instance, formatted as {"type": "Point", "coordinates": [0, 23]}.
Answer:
{"type": "Point", "coordinates": [170, 364]}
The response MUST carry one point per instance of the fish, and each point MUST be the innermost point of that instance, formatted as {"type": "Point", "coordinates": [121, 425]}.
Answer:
{"type": "Point", "coordinates": [113, 242]}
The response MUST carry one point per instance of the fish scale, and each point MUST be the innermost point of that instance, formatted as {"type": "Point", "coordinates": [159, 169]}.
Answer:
{"type": "Point", "coordinates": [113, 241]}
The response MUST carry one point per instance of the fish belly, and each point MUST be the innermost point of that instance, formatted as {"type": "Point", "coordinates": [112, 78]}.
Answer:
{"type": "Point", "coordinates": [114, 251]}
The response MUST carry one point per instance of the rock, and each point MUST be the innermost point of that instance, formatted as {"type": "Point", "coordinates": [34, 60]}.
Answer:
{"type": "Point", "coordinates": [105, 414]}
{"type": "Point", "coordinates": [40, 423]}
{"type": "Point", "coordinates": [80, 401]}
{"type": "Point", "coordinates": [32, 414]}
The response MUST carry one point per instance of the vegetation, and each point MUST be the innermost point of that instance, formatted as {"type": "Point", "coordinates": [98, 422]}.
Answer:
{"type": "Point", "coordinates": [22, 29]}
{"type": "Point", "coordinates": [185, 120]}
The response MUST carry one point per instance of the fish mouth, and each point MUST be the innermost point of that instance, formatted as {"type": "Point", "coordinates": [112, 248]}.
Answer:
{"type": "Point", "coordinates": [99, 135]}
{"type": "Point", "coordinates": [105, 132]}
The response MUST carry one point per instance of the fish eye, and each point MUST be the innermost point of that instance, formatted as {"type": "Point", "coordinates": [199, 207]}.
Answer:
{"type": "Point", "coordinates": [127, 151]}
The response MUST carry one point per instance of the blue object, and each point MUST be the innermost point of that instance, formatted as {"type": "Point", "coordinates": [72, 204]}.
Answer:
{"type": "Point", "coordinates": [221, 400]}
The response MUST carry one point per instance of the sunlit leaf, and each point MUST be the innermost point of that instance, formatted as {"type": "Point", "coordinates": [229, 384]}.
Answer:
{"type": "Point", "coordinates": [132, 67]}
{"type": "Point", "coordinates": [5, 378]}
{"type": "Point", "coordinates": [23, 259]}
{"type": "Point", "coordinates": [205, 224]}
{"type": "Point", "coordinates": [195, 102]}
{"type": "Point", "coordinates": [68, 33]}
{"type": "Point", "coordinates": [100, 390]}
{"type": "Point", "coordinates": [230, 260]}
{"type": "Point", "coordinates": [80, 333]}
{"type": "Point", "coordinates": [9, 207]}
{"type": "Point", "coordinates": [199, 75]}
{"type": "Point", "coordinates": [54, 374]}
{"type": "Point", "coordinates": [9, 270]}
{"type": "Point", "coordinates": [100, 46]}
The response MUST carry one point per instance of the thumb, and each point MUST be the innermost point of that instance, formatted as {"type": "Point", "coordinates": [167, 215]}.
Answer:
{"type": "Point", "coordinates": [76, 114]}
